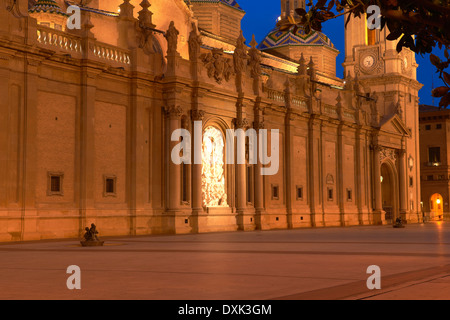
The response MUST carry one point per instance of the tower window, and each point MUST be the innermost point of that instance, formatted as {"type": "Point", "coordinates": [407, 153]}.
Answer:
{"type": "Point", "coordinates": [434, 155]}
{"type": "Point", "coordinates": [428, 127]}
{"type": "Point", "coordinates": [439, 126]}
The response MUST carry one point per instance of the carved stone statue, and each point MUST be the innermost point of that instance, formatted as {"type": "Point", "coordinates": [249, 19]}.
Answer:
{"type": "Point", "coordinates": [172, 38]}
{"type": "Point", "coordinates": [240, 55]}
{"type": "Point", "coordinates": [91, 238]}
{"type": "Point", "coordinates": [195, 43]}
{"type": "Point", "coordinates": [255, 65]}
{"type": "Point", "coordinates": [254, 60]}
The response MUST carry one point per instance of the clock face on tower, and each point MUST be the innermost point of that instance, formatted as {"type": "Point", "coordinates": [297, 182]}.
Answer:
{"type": "Point", "coordinates": [368, 61]}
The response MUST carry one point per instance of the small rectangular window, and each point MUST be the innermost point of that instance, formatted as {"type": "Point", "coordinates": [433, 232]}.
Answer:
{"type": "Point", "coordinates": [428, 127]}
{"type": "Point", "coordinates": [349, 195]}
{"type": "Point", "coordinates": [330, 194]}
{"type": "Point", "coordinates": [109, 186]}
{"type": "Point", "coordinates": [430, 178]}
{"type": "Point", "coordinates": [55, 183]}
{"type": "Point", "coordinates": [275, 192]}
{"type": "Point", "coordinates": [299, 193]}
{"type": "Point", "coordinates": [249, 184]}
{"type": "Point", "coordinates": [411, 181]}
{"type": "Point", "coordinates": [439, 126]}
{"type": "Point", "coordinates": [184, 184]}
{"type": "Point", "coordinates": [434, 155]}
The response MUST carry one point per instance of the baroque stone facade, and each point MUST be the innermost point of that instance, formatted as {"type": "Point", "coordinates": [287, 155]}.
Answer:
{"type": "Point", "coordinates": [87, 118]}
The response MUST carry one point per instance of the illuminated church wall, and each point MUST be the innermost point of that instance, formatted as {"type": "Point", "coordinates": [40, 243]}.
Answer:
{"type": "Point", "coordinates": [104, 126]}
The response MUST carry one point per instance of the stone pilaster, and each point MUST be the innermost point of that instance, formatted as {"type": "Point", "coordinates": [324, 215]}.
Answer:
{"type": "Point", "coordinates": [260, 221]}
{"type": "Point", "coordinates": [362, 182]}
{"type": "Point", "coordinates": [241, 123]}
{"type": "Point", "coordinates": [403, 187]}
{"type": "Point", "coordinates": [378, 205]}
{"type": "Point", "coordinates": [197, 199]}
{"type": "Point", "coordinates": [174, 114]}
{"type": "Point", "coordinates": [315, 172]}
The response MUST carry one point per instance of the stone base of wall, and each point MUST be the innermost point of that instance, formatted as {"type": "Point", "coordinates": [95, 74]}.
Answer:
{"type": "Point", "coordinates": [39, 225]}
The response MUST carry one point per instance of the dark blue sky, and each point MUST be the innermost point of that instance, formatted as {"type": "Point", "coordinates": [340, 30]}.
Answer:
{"type": "Point", "coordinates": [261, 17]}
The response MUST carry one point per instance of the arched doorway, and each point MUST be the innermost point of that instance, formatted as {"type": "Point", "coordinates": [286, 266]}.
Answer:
{"type": "Point", "coordinates": [388, 192]}
{"type": "Point", "coordinates": [213, 168]}
{"type": "Point", "coordinates": [436, 207]}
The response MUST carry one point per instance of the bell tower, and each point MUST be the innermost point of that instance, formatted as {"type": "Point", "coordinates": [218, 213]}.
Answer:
{"type": "Point", "coordinates": [388, 79]}
{"type": "Point", "coordinates": [369, 54]}
{"type": "Point", "coordinates": [288, 7]}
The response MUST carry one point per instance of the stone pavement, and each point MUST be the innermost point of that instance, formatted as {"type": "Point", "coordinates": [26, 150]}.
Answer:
{"type": "Point", "coordinates": [321, 263]}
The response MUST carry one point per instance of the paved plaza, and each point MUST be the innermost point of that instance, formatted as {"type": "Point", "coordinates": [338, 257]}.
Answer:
{"type": "Point", "coordinates": [326, 263]}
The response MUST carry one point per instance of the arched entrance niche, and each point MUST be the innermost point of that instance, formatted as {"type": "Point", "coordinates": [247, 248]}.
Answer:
{"type": "Point", "coordinates": [214, 192]}
{"type": "Point", "coordinates": [436, 207]}
{"type": "Point", "coordinates": [389, 191]}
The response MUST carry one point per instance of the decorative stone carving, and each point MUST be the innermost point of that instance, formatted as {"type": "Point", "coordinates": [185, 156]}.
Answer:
{"type": "Point", "coordinates": [399, 109]}
{"type": "Point", "coordinates": [242, 123]}
{"type": "Point", "coordinates": [301, 69]}
{"type": "Point", "coordinates": [255, 65]}
{"type": "Point", "coordinates": [195, 43]}
{"type": "Point", "coordinates": [145, 32]}
{"type": "Point", "coordinates": [369, 61]}
{"type": "Point", "coordinates": [126, 9]}
{"type": "Point", "coordinates": [197, 115]}
{"type": "Point", "coordinates": [174, 112]}
{"type": "Point", "coordinates": [330, 179]}
{"type": "Point", "coordinates": [217, 65]}
{"type": "Point", "coordinates": [213, 169]}
{"type": "Point", "coordinates": [259, 125]}
{"type": "Point", "coordinates": [172, 39]}
{"type": "Point", "coordinates": [311, 69]}
{"type": "Point", "coordinates": [240, 55]}
{"type": "Point", "coordinates": [254, 60]}
{"type": "Point", "coordinates": [388, 154]}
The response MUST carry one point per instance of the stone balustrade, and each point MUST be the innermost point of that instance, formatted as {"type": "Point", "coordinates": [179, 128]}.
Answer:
{"type": "Point", "coordinates": [54, 39]}
{"type": "Point", "coordinates": [72, 44]}
{"type": "Point", "coordinates": [275, 95]}
{"type": "Point", "coordinates": [110, 53]}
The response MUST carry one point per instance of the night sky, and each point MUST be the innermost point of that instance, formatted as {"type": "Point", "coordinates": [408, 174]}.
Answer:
{"type": "Point", "coordinates": [261, 17]}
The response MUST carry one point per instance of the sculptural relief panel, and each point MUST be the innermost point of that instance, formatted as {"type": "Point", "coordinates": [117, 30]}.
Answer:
{"type": "Point", "coordinates": [213, 168]}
